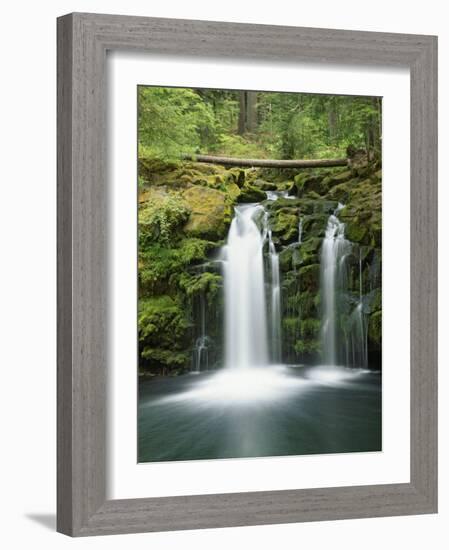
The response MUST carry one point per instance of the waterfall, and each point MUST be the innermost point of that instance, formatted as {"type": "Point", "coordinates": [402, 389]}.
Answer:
{"type": "Point", "coordinates": [201, 349]}
{"type": "Point", "coordinates": [344, 333]}
{"type": "Point", "coordinates": [276, 339]}
{"type": "Point", "coordinates": [357, 329]}
{"type": "Point", "coordinates": [334, 251]}
{"type": "Point", "coordinates": [245, 304]}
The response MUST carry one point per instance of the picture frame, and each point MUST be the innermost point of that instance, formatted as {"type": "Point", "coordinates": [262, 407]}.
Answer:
{"type": "Point", "coordinates": [83, 40]}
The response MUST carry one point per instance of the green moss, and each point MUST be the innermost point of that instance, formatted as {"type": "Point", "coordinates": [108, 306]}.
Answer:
{"type": "Point", "coordinates": [375, 328]}
{"type": "Point", "coordinates": [309, 277]}
{"type": "Point", "coordinates": [375, 302]}
{"type": "Point", "coordinates": [355, 231]}
{"type": "Point", "coordinates": [206, 282]}
{"type": "Point", "coordinates": [307, 347]}
{"type": "Point", "coordinates": [158, 264]}
{"type": "Point", "coordinates": [285, 225]}
{"type": "Point", "coordinates": [309, 251]}
{"type": "Point", "coordinates": [160, 219]}
{"type": "Point", "coordinates": [310, 328]}
{"type": "Point", "coordinates": [314, 225]}
{"type": "Point", "coordinates": [250, 193]}
{"type": "Point", "coordinates": [207, 212]}
{"type": "Point", "coordinates": [265, 185]}
{"type": "Point", "coordinates": [161, 320]}
{"type": "Point", "coordinates": [285, 259]}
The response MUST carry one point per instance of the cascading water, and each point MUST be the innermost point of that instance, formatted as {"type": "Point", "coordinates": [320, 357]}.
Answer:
{"type": "Point", "coordinates": [357, 329]}
{"type": "Point", "coordinates": [344, 337]}
{"type": "Point", "coordinates": [201, 349]}
{"type": "Point", "coordinates": [276, 339]}
{"type": "Point", "coordinates": [245, 304]}
{"type": "Point", "coordinates": [333, 274]}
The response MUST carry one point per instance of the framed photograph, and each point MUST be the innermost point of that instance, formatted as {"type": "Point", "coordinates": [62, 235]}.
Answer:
{"type": "Point", "coordinates": [247, 274]}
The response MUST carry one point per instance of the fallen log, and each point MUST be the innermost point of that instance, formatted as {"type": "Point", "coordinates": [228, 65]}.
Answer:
{"type": "Point", "coordinates": [267, 163]}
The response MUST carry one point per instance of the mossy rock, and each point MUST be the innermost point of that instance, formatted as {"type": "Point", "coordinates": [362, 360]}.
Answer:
{"type": "Point", "coordinates": [356, 232]}
{"type": "Point", "coordinates": [309, 250]}
{"type": "Point", "coordinates": [163, 331]}
{"type": "Point", "coordinates": [235, 175]}
{"type": "Point", "coordinates": [232, 191]}
{"type": "Point", "coordinates": [291, 325]}
{"type": "Point", "coordinates": [308, 303]}
{"type": "Point", "coordinates": [205, 283]}
{"type": "Point", "coordinates": [208, 211]}
{"type": "Point", "coordinates": [161, 265]}
{"type": "Point", "coordinates": [285, 260]}
{"type": "Point", "coordinates": [286, 186]}
{"type": "Point", "coordinates": [250, 193]}
{"type": "Point", "coordinates": [265, 185]}
{"type": "Point", "coordinates": [340, 177]}
{"type": "Point", "coordinates": [341, 192]}
{"type": "Point", "coordinates": [310, 328]}
{"type": "Point", "coordinates": [375, 329]}
{"type": "Point", "coordinates": [283, 202]}
{"type": "Point", "coordinates": [307, 348]}
{"type": "Point", "coordinates": [306, 183]}
{"type": "Point", "coordinates": [309, 277]}
{"type": "Point", "coordinates": [314, 225]}
{"type": "Point", "coordinates": [148, 167]}
{"type": "Point", "coordinates": [285, 226]}
{"type": "Point", "coordinates": [161, 217]}
{"type": "Point", "coordinates": [375, 300]}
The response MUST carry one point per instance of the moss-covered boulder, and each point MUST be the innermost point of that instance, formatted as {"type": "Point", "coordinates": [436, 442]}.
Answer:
{"type": "Point", "coordinates": [285, 225]}
{"type": "Point", "coordinates": [375, 329]}
{"type": "Point", "coordinates": [251, 193]}
{"type": "Point", "coordinates": [265, 185]}
{"type": "Point", "coordinates": [163, 334]}
{"type": "Point", "coordinates": [208, 212]}
{"type": "Point", "coordinates": [309, 278]}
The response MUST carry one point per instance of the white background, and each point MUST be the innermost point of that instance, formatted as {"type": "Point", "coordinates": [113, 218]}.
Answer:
{"type": "Point", "coordinates": [27, 303]}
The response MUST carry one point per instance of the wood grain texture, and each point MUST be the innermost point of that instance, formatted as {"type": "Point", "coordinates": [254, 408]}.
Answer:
{"type": "Point", "coordinates": [83, 40]}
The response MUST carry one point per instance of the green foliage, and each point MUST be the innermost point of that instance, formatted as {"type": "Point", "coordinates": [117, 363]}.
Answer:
{"type": "Point", "coordinates": [159, 263]}
{"type": "Point", "coordinates": [162, 332]}
{"type": "Point", "coordinates": [173, 121]}
{"type": "Point", "coordinates": [159, 219]}
{"type": "Point", "coordinates": [206, 282]}
{"type": "Point", "coordinates": [161, 321]}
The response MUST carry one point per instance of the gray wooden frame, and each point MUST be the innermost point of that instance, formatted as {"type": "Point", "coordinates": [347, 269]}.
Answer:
{"type": "Point", "coordinates": [83, 40]}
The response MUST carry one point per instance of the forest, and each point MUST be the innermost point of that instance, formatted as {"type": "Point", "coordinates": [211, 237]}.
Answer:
{"type": "Point", "coordinates": [179, 121]}
{"type": "Point", "coordinates": [186, 209]}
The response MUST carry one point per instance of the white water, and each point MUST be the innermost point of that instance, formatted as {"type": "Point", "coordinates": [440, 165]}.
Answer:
{"type": "Point", "coordinates": [201, 349]}
{"type": "Point", "coordinates": [342, 342]}
{"type": "Point", "coordinates": [333, 255]}
{"type": "Point", "coordinates": [245, 305]}
{"type": "Point", "coordinates": [276, 339]}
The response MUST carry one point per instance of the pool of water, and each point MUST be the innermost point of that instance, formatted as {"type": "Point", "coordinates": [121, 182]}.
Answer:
{"type": "Point", "coordinates": [271, 411]}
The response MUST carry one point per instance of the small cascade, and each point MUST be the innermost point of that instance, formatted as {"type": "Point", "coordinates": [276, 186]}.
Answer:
{"type": "Point", "coordinates": [357, 329]}
{"type": "Point", "coordinates": [275, 195]}
{"type": "Point", "coordinates": [292, 301]}
{"type": "Point", "coordinates": [334, 252]}
{"type": "Point", "coordinates": [276, 339]}
{"type": "Point", "coordinates": [202, 343]}
{"type": "Point", "coordinates": [344, 326]}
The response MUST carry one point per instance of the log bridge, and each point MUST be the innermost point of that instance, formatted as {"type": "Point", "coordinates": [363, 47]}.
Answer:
{"type": "Point", "coordinates": [268, 163]}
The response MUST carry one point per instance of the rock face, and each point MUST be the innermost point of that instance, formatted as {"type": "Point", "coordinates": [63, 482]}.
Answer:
{"type": "Point", "coordinates": [185, 211]}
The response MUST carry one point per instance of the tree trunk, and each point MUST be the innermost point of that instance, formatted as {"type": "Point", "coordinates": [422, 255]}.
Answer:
{"type": "Point", "coordinates": [267, 163]}
{"type": "Point", "coordinates": [332, 119]}
{"type": "Point", "coordinates": [242, 113]}
{"type": "Point", "coordinates": [251, 112]}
